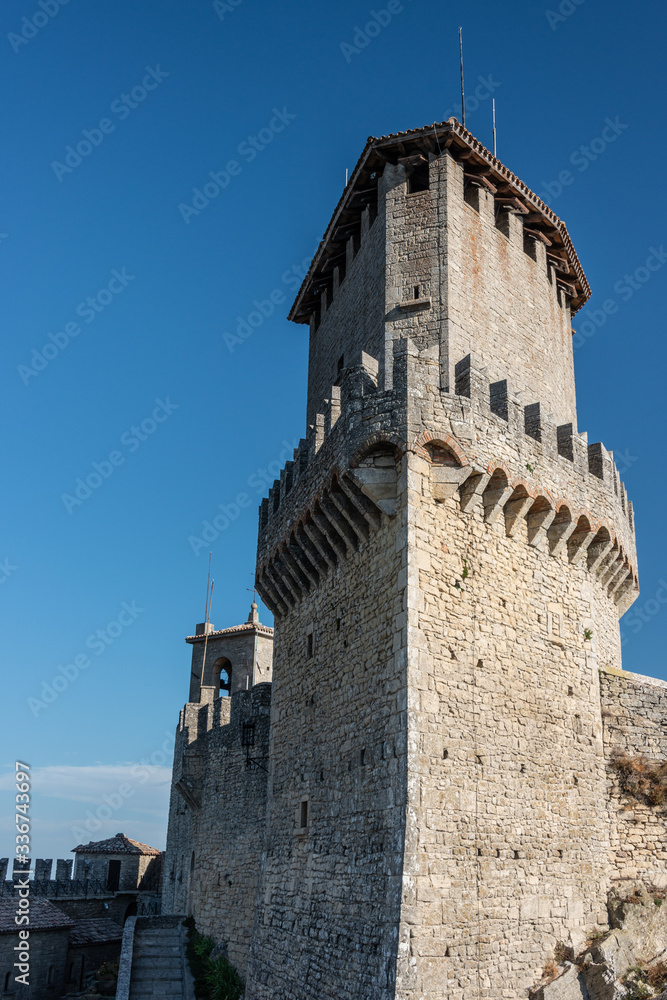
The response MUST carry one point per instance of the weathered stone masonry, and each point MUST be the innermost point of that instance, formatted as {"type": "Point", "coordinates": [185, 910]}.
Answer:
{"type": "Point", "coordinates": [447, 559]}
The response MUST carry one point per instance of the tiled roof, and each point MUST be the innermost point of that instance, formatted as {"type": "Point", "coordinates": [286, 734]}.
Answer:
{"type": "Point", "coordinates": [449, 135]}
{"type": "Point", "coordinates": [246, 627]}
{"type": "Point", "coordinates": [43, 916]}
{"type": "Point", "coordinates": [120, 844]}
{"type": "Point", "coordinates": [95, 931]}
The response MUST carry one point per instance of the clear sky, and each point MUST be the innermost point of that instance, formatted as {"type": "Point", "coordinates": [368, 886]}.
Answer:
{"type": "Point", "coordinates": [122, 305]}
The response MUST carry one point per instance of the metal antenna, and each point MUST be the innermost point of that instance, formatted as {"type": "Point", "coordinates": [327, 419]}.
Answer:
{"type": "Point", "coordinates": [208, 603]}
{"type": "Point", "coordinates": [345, 176]}
{"type": "Point", "coordinates": [254, 646]}
{"type": "Point", "coordinates": [208, 586]}
{"type": "Point", "coordinates": [463, 93]}
{"type": "Point", "coordinates": [494, 127]}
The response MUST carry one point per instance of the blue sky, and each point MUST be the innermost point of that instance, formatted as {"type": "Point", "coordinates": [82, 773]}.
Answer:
{"type": "Point", "coordinates": [139, 300]}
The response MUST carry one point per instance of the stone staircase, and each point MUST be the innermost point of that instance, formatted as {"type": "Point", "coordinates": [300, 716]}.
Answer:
{"type": "Point", "coordinates": [155, 956]}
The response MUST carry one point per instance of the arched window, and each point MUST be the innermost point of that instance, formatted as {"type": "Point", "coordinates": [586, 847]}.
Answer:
{"type": "Point", "coordinates": [8, 978]}
{"type": "Point", "coordinates": [221, 677]}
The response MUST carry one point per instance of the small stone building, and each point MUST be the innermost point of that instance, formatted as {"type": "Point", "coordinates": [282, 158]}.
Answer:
{"type": "Point", "coordinates": [123, 864]}
{"type": "Point", "coordinates": [91, 944]}
{"type": "Point", "coordinates": [49, 931]}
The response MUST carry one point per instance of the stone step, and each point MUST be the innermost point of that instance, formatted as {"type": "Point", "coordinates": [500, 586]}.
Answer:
{"type": "Point", "coordinates": [160, 931]}
{"type": "Point", "coordinates": [149, 971]}
{"type": "Point", "coordinates": [169, 951]}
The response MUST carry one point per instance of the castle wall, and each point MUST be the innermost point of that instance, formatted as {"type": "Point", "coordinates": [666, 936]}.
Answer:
{"type": "Point", "coordinates": [505, 305]}
{"type": "Point", "coordinates": [96, 866]}
{"type": "Point", "coordinates": [48, 951]}
{"type": "Point", "coordinates": [505, 758]}
{"type": "Point", "coordinates": [354, 319]}
{"type": "Point", "coordinates": [329, 895]}
{"type": "Point", "coordinates": [634, 713]}
{"type": "Point", "coordinates": [223, 825]}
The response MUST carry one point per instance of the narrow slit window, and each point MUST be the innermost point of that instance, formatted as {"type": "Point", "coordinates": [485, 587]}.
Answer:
{"type": "Point", "coordinates": [303, 818]}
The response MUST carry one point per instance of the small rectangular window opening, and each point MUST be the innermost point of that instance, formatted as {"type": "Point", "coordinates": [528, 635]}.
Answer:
{"type": "Point", "coordinates": [248, 734]}
{"type": "Point", "coordinates": [418, 179]}
{"type": "Point", "coordinates": [309, 645]}
{"type": "Point", "coordinates": [304, 815]}
{"type": "Point", "coordinates": [340, 368]}
{"type": "Point", "coordinates": [416, 291]}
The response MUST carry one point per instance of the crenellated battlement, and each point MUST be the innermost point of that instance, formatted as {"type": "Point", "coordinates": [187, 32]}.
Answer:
{"type": "Point", "coordinates": [508, 454]}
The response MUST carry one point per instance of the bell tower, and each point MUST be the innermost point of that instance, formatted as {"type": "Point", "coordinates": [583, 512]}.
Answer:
{"type": "Point", "coordinates": [447, 558]}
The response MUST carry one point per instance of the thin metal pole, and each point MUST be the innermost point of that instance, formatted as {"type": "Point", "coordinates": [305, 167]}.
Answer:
{"type": "Point", "coordinates": [203, 666]}
{"type": "Point", "coordinates": [208, 587]}
{"type": "Point", "coordinates": [463, 93]}
{"type": "Point", "coordinates": [254, 648]}
{"type": "Point", "coordinates": [494, 127]}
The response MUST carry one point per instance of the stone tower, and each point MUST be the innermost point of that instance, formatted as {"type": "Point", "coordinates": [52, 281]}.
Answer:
{"type": "Point", "coordinates": [447, 558]}
{"type": "Point", "coordinates": [218, 791]}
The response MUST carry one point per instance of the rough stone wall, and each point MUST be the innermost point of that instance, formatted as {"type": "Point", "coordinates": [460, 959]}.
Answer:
{"type": "Point", "coordinates": [505, 305]}
{"type": "Point", "coordinates": [506, 765]}
{"type": "Point", "coordinates": [82, 960]}
{"type": "Point", "coordinates": [48, 950]}
{"type": "Point", "coordinates": [329, 896]}
{"type": "Point", "coordinates": [224, 829]}
{"type": "Point", "coordinates": [353, 320]}
{"type": "Point", "coordinates": [634, 712]}
{"type": "Point", "coordinates": [96, 866]}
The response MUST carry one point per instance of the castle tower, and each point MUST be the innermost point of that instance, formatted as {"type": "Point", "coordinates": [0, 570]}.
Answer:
{"type": "Point", "coordinates": [447, 559]}
{"type": "Point", "coordinates": [218, 793]}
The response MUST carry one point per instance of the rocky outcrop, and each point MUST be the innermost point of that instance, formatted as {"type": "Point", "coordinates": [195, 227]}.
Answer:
{"type": "Point", "coordinates": [627, 963]}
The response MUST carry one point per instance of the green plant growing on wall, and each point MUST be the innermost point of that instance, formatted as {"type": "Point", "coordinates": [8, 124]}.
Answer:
{"type": "Point", "coordinates": [588, 634]}
{"type": "Point", "coordinates": [215, 978]}
{"type": "Point", "coordinates": [223, 981]}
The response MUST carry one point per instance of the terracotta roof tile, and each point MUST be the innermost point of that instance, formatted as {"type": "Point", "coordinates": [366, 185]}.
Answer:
{"type": "Point", "coordinates": [120, 844]}
{"type": "Point", "coordinates": [97, 930]}
{"type": "Point", "coordinates": [43, 916]}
